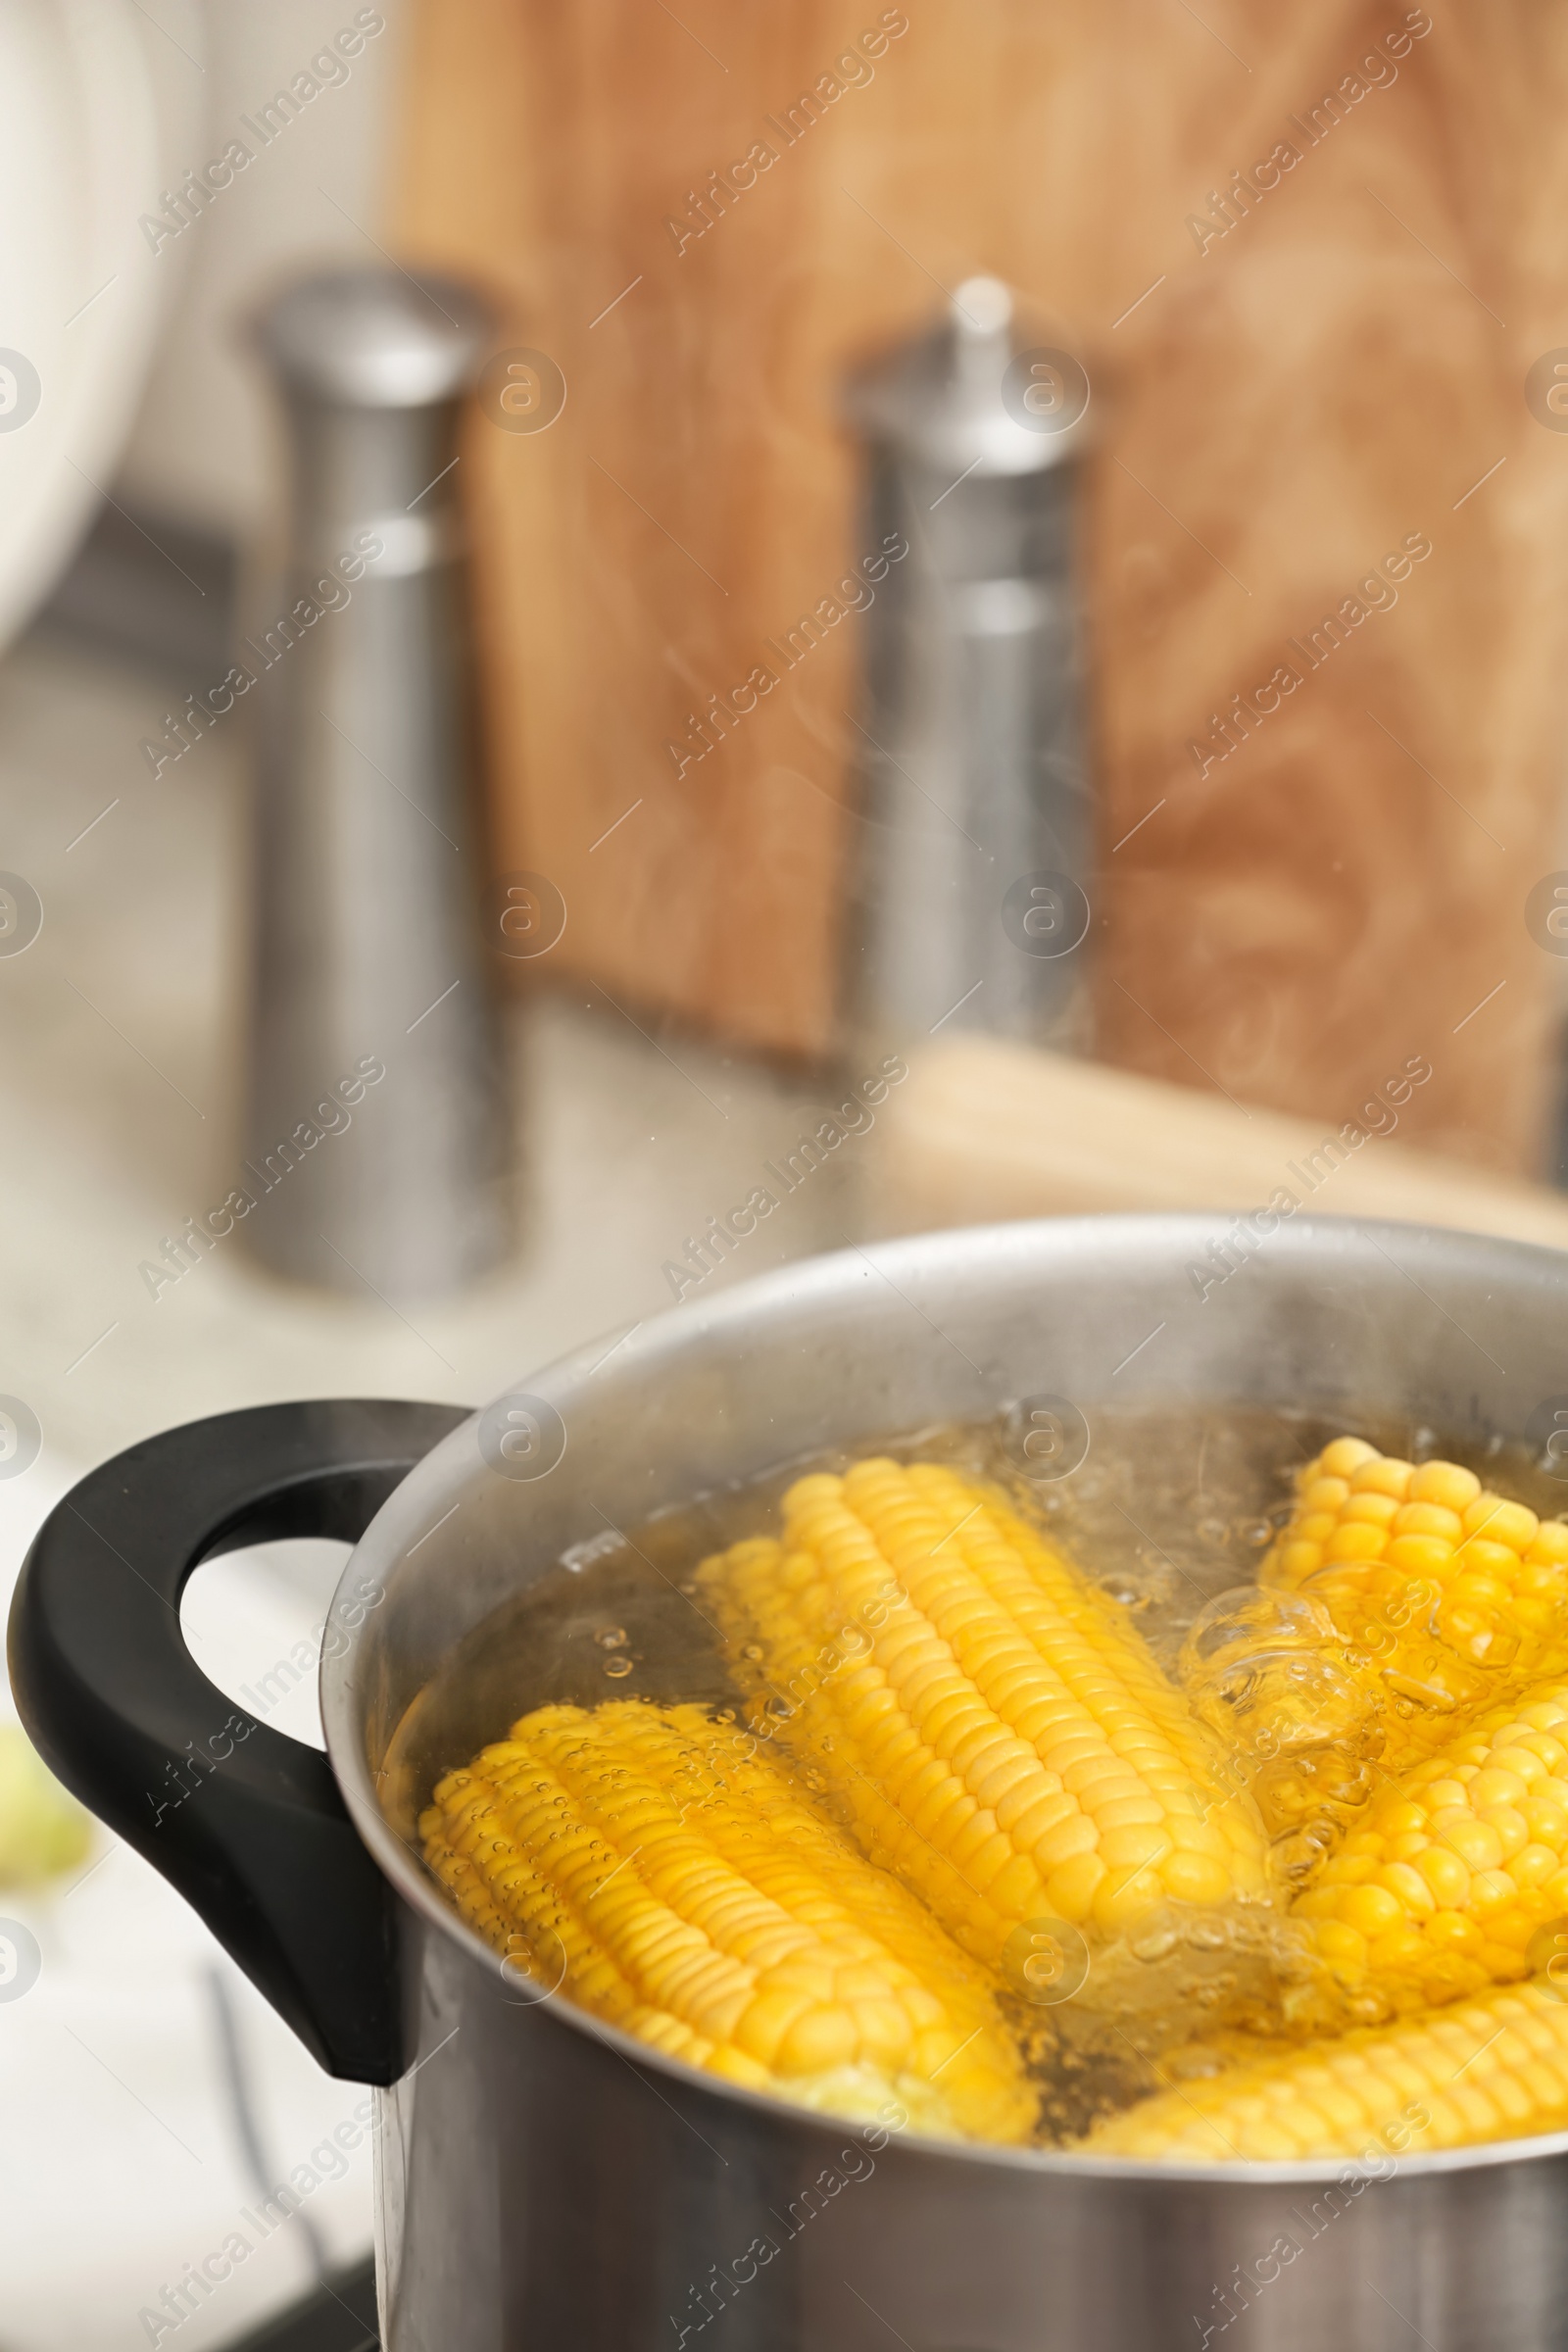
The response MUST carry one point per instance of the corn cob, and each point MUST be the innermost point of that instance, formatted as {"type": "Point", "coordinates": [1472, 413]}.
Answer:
{"type": "Point", "coordinates": [1452, 1598]}
{"type": "Point", "coordinates": [1495, 2069]}
{"type": "Point", "coordinates": [1462, 1864]}
{"type": "Point", "coordinates": [998, 1733]}
{"type": "Point", "coordinates": [657, 1870]}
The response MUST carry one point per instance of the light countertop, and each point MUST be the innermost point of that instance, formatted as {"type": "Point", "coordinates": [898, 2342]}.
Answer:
{"type": "Point", "coordinates": [120, 1076]}
{"type": "Point", "coordinates": [119, 1072]}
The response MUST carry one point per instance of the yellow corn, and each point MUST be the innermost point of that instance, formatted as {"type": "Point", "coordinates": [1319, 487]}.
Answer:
{"type": "Point", "coordinates": [1495, 2069]}
{"type": "Point", "coordinates": [1452, 1598]}
{"type": "Point", "coordinates": [997, 1730]}
{"type": "Point", "coordinates": [1462, 1863]}
{"type": "Point", "coordinates": [648, 1863]}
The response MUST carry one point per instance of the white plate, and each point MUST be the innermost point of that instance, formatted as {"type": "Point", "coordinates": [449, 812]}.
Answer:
{"type": "Point", "coordinates": [100, 109]}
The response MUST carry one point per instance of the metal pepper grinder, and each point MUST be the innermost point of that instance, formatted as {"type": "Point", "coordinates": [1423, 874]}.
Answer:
{"type": "Point", "coordinates": [376, 1120]}
{"type": "Point", "coordinates": [969, 900]}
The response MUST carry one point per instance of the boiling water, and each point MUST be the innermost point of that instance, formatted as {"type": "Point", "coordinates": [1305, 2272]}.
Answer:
{"type": "Point", "coordinates": [1168, 1510]}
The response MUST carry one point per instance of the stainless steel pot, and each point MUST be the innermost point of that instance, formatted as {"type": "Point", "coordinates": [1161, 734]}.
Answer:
{"type": "Point", "coordinates": [542, 2180]}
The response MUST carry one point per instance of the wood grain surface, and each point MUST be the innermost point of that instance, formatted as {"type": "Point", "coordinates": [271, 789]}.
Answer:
{"type": "Point", "coordinates": [1291, 389]}
{"type": "Point", "coordinates": [982, 1130]}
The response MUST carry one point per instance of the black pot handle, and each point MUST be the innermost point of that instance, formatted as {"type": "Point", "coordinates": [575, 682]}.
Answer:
{"type": "Point", "coordinates": [247, 1823]}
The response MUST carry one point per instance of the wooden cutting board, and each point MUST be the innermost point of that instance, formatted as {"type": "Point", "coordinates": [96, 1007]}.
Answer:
{"type": "Point", "coordinates": [1309, 263]}
{"type": "Point", "coordinates": [981, 1130]}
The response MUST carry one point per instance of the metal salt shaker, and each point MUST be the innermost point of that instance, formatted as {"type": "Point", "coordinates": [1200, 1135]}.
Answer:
{"type": "Point", "coordinates": [969, 904]}
{"type": "Point", "coordinates": [367, 954]}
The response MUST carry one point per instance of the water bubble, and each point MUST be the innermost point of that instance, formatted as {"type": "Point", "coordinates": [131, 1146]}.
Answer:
{"type": "Point", "coordinates": [1298, 1854]}
{"type": "Point", "coordinates": [617, 1667]}
{"type": "Point", "coordinates": [751, 1649]}
{"type": "Point", "coordinates": [1248, 1617]}
{"type": "Point", "coordinates": [1267, 1671]}
{"type": "Point", "coordinates": [611, 1636]}
{"type": "Point", "coordinates": [1149, 1580]}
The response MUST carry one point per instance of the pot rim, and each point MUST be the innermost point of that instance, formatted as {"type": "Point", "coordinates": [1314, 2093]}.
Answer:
{"type": "Point", "coordinates": [1343, 1241]}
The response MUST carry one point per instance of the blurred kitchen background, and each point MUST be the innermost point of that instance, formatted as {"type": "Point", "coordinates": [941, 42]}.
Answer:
{"type": "Point", "coordinates": [990, 643]}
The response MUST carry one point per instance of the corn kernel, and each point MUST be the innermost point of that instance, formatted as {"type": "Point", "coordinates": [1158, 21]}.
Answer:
{"type": "Point", "coordinates": [1428, 1519]}
{"type": "Point", "coordinates": [1477, 1555]}
{"type": "Point", "coordinates": [1532, 1866]}
{"type": "Point", "coordinates": [1507, 1824]}
{"type": "Point", "coordinates": [1415, 1897]}
{"type": "Point", "coordinates": [1509, 1523]}
{"type": "Point", "coordinates": [1193, 1877]}
{"type": "Point", "coordinates": [1353, 1540]}
{"type": "Point", "coordinates": [1455, 1929]}
{"type": "Point", "coordinates": [1370, 1909]}
{"type": "Point", "coordinates": [1477, 1844]}
{"type": "Point", "coordinates": [1345, 1457]}
{"type": "Point", "coordinates": [1383, 1474]}
{"type": "Point", "coordinates": [1446, 1875]}
{"type": "Point", "coordinates": [1446, 1484]}
{"type": "Point", "coordinates": [1496, 1786]}
{"type": "Point", "coordinates": [1396, 1950]}
{"type": "Point", "coordinates": [1520, 1753]}
{"type": "Point", "coordinates": [1395, 1816]}
{"type": "Point", "coordinates": [1070, 1890]}
{"type": "Point", "coordinates": [1371, 1510]}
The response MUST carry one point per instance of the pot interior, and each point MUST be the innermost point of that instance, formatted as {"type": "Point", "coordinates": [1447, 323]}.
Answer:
{"type": "Point", "coordinates": [1194, 1390]}
{"type": "Point", "coordinates": [1172, 1505]}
